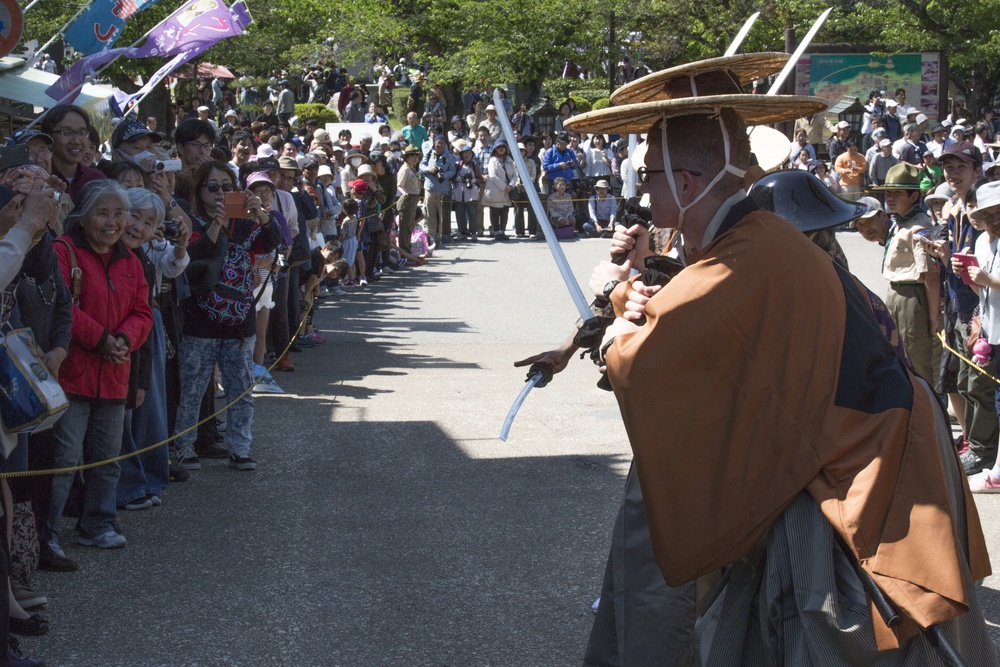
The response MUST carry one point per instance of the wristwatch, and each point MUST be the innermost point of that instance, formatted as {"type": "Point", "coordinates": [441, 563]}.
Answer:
{"type": "Point", "coordinates": [609, 287]}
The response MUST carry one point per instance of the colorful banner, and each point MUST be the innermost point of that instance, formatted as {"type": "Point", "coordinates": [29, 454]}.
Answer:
{"type": "Point", "coordinates": [125, 100]}
{"type": "Point", "coordinates": [196, 22]}
{"type": "Point", "coordinates": [191, 30]}
{"type": "Point", "coordinates": [84, 68]}
{"type": "Point", "coordinates": [98, 28]}
{"type": "Point", "coordinates": [832, 76]}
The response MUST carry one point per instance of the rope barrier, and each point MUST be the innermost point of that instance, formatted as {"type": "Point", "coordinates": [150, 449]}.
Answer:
{"type": "Point", "coordinates": [122, 457]}
{"type": "Point", "coordinates": [958, 354]}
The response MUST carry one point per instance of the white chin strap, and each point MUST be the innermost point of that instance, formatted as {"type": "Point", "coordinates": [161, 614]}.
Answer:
{"type": "Point", "coordinates": [729, 168]}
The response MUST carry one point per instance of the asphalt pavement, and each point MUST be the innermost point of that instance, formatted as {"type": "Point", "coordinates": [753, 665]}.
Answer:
{"type": "Point", "coordinates": [386, 523]}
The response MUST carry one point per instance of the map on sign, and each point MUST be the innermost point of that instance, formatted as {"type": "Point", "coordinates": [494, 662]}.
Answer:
{"type": "Point", "coordinates": [831, 76]}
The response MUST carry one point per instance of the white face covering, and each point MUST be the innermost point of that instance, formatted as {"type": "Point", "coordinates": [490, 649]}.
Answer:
{"type": "Point", "coordinates": [356, 162]}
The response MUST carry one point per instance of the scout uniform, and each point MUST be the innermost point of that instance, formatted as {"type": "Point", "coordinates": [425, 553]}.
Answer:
{"type": "Point", "coordinates": [904, 263]}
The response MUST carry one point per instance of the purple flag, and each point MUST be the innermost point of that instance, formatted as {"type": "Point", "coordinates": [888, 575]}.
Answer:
{"type": "Point", "coordinates": [98, 28]}
{"type": "Point", "coordinates": [72, 79]}
{"type": "Point", "coordinates": [125, 102]}
{"type": "Point", "coordinates": [191, 30]}
{"type": "Point", "coordinates": [196, 23]}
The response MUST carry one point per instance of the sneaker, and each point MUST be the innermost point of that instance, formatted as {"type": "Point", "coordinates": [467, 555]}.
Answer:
{"type": "Point", "coordinates": [52, 559]}
{"type": "Point", "coordinates": [338, 291]}
{"type": "Point", "coordinates": [973, 464]}
{"type": "Point", "coordinates": [18, 658]}
{"type": "Point", "coordinates": [961, 445]}
{"type": "Point", "coordinates": [401, 263]}
{"type": "Point", "coordinates": [242, 462]}
{"type": "Point", "coordinates": [25, 596]}
{"type": "Point", "coordinates": [154, 500]}
{"type": "Point", "coordinates": [323, 293]}
{"type": "Point", "coordinates": [260, 373]}
{"type": "Point", "coordinates": [143, 503]}
{"type": "Point", "coordinates": [985, 483]}
{"type": "Point", "coordinates": [305, 342]}
{"type": "Point", "coordinates": [377, 273]}
{"type": "Point", "coordinates": [33, 626]}
{"type": "Point", "coordinates": [347, 282]}
{"type": "Point", "coordinates": [213, 451]}
{"type": "Point", "coordinates": [363, 282]}
{"type": "Point", "coordinates": [178, 474]}
{"type": "Point", "coordinates": [318, 339]}
{"type": "Point", "coordinates": [187, 459]}
{"type": "Point", "coordinates": [108, 540]}
{"type": "Point", "coordinates": [267, 385]}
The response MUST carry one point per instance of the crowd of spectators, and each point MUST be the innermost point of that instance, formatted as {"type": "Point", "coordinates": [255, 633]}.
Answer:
{"type": "Point", "coordinates": [931, 189]}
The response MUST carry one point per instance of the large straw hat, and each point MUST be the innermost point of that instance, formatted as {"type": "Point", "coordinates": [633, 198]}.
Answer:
{"type": "Point", "coordinates": [743, 68]}
{"type": "Point", "coordinates": [703, 87]}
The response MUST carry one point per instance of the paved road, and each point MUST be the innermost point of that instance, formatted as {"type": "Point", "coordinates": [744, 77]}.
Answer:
{"type": "Point", "coordinates": [386, 524]}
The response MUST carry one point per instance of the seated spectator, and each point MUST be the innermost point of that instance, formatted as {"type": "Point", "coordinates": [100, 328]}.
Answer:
{"type": "Point", "coordinates": [602, 209]}
{"type": "Point", "coordinates": [560, 205]}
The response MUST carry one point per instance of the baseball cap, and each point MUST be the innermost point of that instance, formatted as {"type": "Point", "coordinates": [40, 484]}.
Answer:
{"type": "Point", "coordinates": [267, 164]}
{"type": "Point", "coordinates": [358, 184]}
{"type": "Point", "coordinates": [880, 132]}
{"type": "Point", "coordinates": [874, 206]}
{"type": "Point", "coordinates": [203, 108]}
{"type": "Point", "coordinates": [130, 130]}
{"type": "Point", "coordinates": [843, 125]}
{"type": "Point", "coordinates": [884, 142]}
{"type": "Point", "coordinates": [965, 151]}
{"type": "Point", "coordinates": [25, 135]}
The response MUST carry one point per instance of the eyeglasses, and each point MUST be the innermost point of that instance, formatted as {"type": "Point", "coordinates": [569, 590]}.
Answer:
{"type": "Point", "coordinates": [40, 154]}
{"type": "Point", "coordinates": [215, 187]}
{"type": "Point", "coordinates": [199, 145]}
{"type": "Point", "coordinates": [69, 134]}
{"type": "Point", "coordinates": [644, 173]}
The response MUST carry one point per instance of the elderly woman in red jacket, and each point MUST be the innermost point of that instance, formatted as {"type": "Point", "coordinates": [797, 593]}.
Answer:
{"type": "Point", "coordinates": [111, 317]}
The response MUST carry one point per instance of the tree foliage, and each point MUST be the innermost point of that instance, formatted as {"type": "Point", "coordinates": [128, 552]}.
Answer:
{"type": "Point", "coordinates": [526, 41]}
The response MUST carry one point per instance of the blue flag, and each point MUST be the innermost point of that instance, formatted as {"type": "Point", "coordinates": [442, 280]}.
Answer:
{"type": "Point", "coordinates": [98, 28]}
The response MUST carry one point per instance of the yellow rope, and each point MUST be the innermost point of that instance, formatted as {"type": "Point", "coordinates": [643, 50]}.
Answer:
{"type": "Point", "coordinates": [87, 466]}
{"type": "Point", "coordinates": [958, 354]}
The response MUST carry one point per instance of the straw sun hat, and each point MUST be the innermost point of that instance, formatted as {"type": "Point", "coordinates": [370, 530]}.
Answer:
{"type": "Point", "coordinates": [702, 87]}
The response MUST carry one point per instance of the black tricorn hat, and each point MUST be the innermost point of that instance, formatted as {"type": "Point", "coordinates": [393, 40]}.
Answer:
{"type": "Point", "coordinates": [803, 200]}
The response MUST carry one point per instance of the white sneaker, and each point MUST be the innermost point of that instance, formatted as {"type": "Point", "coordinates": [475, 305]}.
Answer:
{"type": "Point", "coordinates": [338, 291]}
{"type": "Point", "coordinates": [109, 540]}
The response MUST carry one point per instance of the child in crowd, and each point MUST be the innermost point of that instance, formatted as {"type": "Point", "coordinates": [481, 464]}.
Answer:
{"type": "Point", "coordinates": [349, 234]}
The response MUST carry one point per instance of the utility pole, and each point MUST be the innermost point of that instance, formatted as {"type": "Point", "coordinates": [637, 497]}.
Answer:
{"type": "Point", "coordinates": [612, 65]}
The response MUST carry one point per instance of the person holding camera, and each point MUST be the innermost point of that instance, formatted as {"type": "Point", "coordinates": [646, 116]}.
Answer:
{"type": "Point", "coordinates": [437, 169]}
{"type": "Point", "coordinates": [465, 190]}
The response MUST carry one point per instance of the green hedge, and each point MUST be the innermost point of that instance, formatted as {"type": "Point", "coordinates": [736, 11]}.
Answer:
{"type": "Point", "coordinates": [320, 112]}
{"type": "Point", "coordinates": [583, 105]}
{"type": "Point", "coordinates": [602, 103]}
{"type": "Point", "coordinates": [398, 112]}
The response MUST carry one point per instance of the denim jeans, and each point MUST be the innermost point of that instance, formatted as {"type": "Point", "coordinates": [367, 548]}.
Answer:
{"type": "Point", "coordinates": [148, 473]}
{"type": "Point", "coordinates": [198, 357]}
{"type": "Point", "coordinates": [87, 432]}
{"type": "Point", "coordinates": [465, 216]}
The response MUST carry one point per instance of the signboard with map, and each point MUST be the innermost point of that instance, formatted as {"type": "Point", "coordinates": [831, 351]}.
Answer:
{"type": "Point", "coordinates": [833, 75]}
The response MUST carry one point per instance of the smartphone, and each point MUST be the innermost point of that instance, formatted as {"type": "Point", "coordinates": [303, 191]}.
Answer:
{"type": "Point", "coordinates": [966, 260]}
{"type": "Point", "coordinates": [236, 204]}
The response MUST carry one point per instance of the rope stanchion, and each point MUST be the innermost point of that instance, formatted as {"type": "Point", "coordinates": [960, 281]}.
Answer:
{"type": "Point", "coordinates": [958, 354]}
{"type": "Point", "coordinates": [122, 457]}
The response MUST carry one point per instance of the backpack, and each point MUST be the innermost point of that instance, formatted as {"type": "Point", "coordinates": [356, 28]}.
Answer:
{"type": "Point", "coordinates": [229, 302]}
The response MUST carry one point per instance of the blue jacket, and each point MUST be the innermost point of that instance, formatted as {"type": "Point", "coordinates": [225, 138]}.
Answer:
{"type": "Point", "coordinates": [550, 163]}
{"type": "Point", "coordinates": [440, 182]}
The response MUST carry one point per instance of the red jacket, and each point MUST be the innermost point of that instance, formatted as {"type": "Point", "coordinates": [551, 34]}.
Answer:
{"type": "Point", "coordinates": [113, 301]}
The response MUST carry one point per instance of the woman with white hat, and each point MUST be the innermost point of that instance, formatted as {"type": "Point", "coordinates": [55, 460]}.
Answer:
{"type": "Point", "coordinates": [501, 177]}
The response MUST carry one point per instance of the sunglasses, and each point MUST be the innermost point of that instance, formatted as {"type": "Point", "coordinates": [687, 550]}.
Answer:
{"type": "Point", "coordinates": [215, 187]}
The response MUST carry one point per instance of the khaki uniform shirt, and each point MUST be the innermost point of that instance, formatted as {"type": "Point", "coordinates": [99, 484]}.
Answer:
{"type": "Point", "coordinates": [905, 258]}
